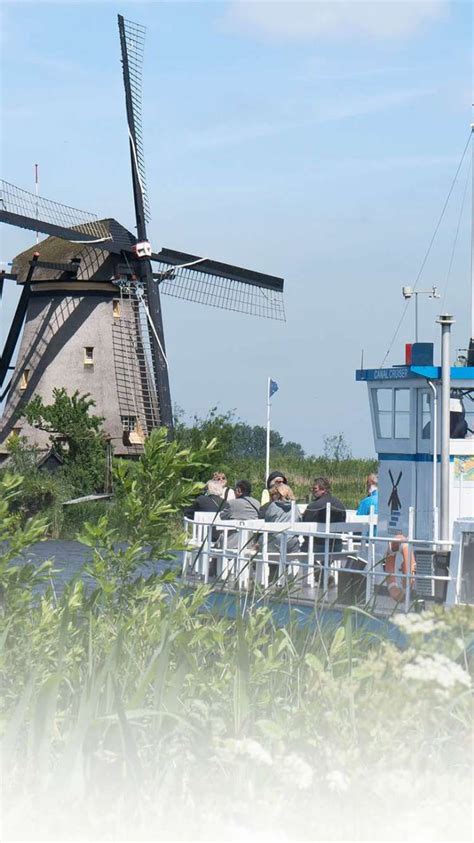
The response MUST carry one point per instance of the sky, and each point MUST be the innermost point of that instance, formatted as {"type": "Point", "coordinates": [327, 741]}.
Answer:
{"type": "Point", "coordinates": [316, 141]}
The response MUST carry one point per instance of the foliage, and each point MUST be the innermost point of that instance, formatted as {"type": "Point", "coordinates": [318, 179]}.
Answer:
{"type": "Point", "coordinates": [151, 495]}
{"type": "Point", "coordinates": [124, 702]}
{"type": "Point", "coordinates": [76, 435]}
{"type": "Point", "coordinates": [235, 438]}
{"type": "Point", "coordinates": [41, 492]}
{"type": "Point", "coordinates": [17, 580]}
{"type": "Point", "coordinates": [336, 448]}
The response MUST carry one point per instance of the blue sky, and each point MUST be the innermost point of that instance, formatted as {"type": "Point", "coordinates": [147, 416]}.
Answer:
{"type": "Point", "coordinates": [316, 141]}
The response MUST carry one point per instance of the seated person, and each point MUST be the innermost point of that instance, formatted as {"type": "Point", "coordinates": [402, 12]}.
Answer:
{"type": "Point", "coordinates": [226, 492]}
{"type": "Point", "coordinates": [243, 507]}
{"type": "Point", "coordinates": [274, 478]}
{"type": "Point", "coordinates": [316, 512]}
{"type": "Point", "coordinates": [279, 510]}
{"type": "Point", "coordinates": [372, 497]}
{"type": "Point", "coordinates": [458, 428]}
{"type": "Point", "coordinates": [209, 501]}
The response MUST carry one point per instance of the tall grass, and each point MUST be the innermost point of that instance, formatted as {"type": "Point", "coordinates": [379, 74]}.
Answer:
{"type": "Point", "coordinates": [348, 477]}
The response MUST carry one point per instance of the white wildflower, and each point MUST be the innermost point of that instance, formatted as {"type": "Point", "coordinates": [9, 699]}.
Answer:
{"type": "Point", "coordinates": [251, 749]}
{"type": "Point", "coordinates": [438, 669]}
{"type": "Point", "coordinates": [337, 781]}
{"type": "Point", "coordinates": [296, 771]}
{"type": "Point", "coordinates": [419, 624]}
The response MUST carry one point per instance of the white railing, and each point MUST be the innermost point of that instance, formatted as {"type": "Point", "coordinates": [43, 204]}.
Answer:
{"type": "Point", "coordinates": [242, 552]}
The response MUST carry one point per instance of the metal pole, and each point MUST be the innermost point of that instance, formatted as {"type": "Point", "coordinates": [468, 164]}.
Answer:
{"type": "Point", "coordinates": [267, 454]}
{"type": "Point", "coordinates": [472, 232]}
{"type": "Point", "coordinates": [416, 317]}
{"type": "Point", "coordinates": [445, 321]}
{"type": "Point", "coordinates": [434, 431]}
{"type": "Point", "coordinates": [36, 193]}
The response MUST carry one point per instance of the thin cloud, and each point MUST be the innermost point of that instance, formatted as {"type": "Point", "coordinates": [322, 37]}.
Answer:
{"type": "Point", "coordinates": [225, 134]}
{"type": "Point", "coordinates": [318, 19]}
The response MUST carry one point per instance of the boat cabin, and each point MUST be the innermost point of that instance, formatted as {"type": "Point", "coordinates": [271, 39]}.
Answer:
{"type": "Point", "coordinates": [405, 405]}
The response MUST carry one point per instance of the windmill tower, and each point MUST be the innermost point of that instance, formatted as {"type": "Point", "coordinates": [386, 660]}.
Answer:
{"type": "Point", "coordinates": [89, 314]}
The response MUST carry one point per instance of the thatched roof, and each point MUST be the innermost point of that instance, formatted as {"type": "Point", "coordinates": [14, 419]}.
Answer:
{"type": "Point", "coordinates": [57, 250]}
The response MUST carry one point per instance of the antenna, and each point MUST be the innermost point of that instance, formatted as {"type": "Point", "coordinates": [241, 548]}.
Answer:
{"type": "Point", "coordinates": [37, 194]}
{"type": "Point", "coordinates": [472, 233]}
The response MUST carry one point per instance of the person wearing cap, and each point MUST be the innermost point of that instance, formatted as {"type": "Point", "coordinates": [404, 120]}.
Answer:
{"type": "Point", "coordinates": [273, 479]}
{"type": "Point", "coordinates": [372, 497]}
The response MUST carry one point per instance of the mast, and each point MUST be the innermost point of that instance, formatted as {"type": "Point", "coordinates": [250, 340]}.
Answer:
{"type": "Point", "coordinates": [472, 233]}
{"type": "Point", "coordinates": [445, 320]}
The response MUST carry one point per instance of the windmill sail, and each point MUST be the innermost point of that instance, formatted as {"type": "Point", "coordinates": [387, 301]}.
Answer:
{"type": "Point", "coordinates": [220, 285]}
{"type": "Point", "coordinates": [132, 43]}
{"type": "Point", "coordinates": [26, 210]}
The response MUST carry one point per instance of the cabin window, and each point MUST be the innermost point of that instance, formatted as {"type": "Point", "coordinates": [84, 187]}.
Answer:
{"type": "Point", "coordinates": [116, 309]}
{"type": "Point", "coordinates": [425, 415]}
{"type": "Point", "coordinates": [402, 413]}
{"type": "Point", "coordinates": [383, 412]}
{"type": "Point", "coordinates": [25, 376]}
{"type": "Point", "coordinates": [88, 355]}
{"type": "Point", "coordinates": [129, 423]}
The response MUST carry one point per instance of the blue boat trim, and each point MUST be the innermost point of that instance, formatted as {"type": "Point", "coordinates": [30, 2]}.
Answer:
{"type": "Point", "coordinates": [412, 457]}
{"type": "Point", "coordinates": [402, 373]}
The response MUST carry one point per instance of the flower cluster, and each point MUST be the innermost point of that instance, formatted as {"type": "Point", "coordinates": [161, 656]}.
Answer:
{"type": "Point", "coordinates": [438, 669]}
{"type": "Point", "coordinates": [249, 748]}
{"type": "Point", "coordinates": [297, 771]}
{"type": "Point", "coordinates": [419, 624]}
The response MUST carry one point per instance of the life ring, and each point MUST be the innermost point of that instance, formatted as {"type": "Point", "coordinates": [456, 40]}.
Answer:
{"type": "Point", "coordinates": [390, 566]}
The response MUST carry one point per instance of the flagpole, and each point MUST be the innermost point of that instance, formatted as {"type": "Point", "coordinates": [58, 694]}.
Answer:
{"type": "Point", "coordinates": [267, 455]}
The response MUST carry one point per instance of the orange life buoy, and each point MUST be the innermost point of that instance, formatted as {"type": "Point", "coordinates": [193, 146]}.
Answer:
{"type": "Point", "coordinates": [390, 566]}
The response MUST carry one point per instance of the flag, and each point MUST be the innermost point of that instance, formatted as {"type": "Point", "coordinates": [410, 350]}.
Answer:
{"type": "Point", "coordinates": [273, 387]}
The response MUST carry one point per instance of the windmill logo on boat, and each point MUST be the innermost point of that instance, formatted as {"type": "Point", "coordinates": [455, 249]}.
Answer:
{"type": "Point", "coordinates": [90, 304]}
{"type": "Point", "coordinates": [394, 502]}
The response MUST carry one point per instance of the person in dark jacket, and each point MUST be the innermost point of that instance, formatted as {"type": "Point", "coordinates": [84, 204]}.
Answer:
{"type": "Point", "coordinates": [316, 512]}
{"type": "Point", "coordinates": [210, 501]}
{"type": "Point", "coordinates": [272, 480]}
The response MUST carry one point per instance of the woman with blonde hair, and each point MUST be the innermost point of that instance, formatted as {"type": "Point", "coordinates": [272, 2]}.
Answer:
{"type": "Point", "coordinates": [280, 510]}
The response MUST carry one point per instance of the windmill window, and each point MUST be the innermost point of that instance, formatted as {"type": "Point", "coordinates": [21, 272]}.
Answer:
{"type": "Point", "coordinates": [88, 355]}
{"type": "Point", "coordinates": [25, 376]}
{"type": "Point", "coordinates": [129, 423]}
{"type": "Point", "coordinates": [116, 309]}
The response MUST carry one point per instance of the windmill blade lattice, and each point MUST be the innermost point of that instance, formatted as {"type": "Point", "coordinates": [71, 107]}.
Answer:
{"type": "Point", "coordinates": [17, 201]}
{"type": "Point", "coordinates": [217, 291]}
{"type": "Point", "coordinates": [134, 46]}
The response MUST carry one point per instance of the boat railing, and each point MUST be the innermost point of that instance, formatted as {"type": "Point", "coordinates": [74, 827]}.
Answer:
{"type": "Point", "coordinates": [238, 553]}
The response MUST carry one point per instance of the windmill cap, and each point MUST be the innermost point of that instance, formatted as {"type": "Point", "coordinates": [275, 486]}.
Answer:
{"type": "Point", "coordinates": [455, 405]}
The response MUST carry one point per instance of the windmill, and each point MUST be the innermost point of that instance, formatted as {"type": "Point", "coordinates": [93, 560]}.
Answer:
{"type": "Point", "coordinates": [89, 314]}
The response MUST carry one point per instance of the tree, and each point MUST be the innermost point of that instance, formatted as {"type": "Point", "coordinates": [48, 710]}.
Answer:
{"type": "Point", "coordinates": [75, 434]}
{"type": "Point", "coordinates": [336, 448]}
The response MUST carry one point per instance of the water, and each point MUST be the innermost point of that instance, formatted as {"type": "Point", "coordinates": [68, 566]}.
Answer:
{"type": "Point", "coordinates": [69, 557]}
